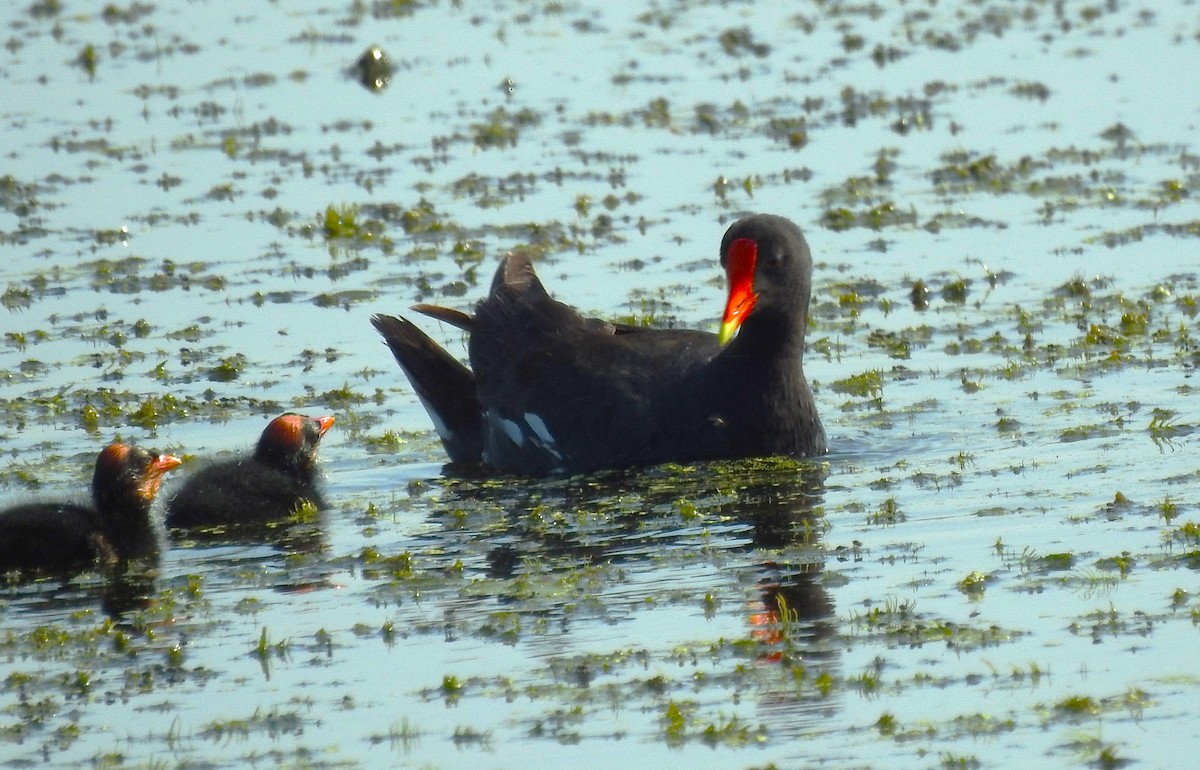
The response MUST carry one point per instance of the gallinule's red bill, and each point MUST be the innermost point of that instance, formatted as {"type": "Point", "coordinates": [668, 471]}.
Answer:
{"type": "Point", "coordinates": [551, 391]}
{"type": "Point", "coordinates": [268, 485]}
{"type": "Point", "coordinates": [63, 536]}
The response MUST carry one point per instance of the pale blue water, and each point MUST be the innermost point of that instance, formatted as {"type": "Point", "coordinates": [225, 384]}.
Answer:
{"type": "Point", "coordinates": [618, 605]}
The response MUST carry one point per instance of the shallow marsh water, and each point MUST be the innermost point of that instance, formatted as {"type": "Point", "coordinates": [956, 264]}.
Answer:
{"type": "Point", "coordinates": [995, 566]}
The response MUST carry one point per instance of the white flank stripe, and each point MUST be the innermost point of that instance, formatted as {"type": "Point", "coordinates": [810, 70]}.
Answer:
{"type": "Point", "coordinates": [543, 434]}
{"type": "Point", "coordinates": [509, 427]}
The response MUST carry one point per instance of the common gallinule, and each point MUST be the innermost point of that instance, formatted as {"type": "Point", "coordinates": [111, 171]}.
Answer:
{"type": "Point", "coordinates": [268, 485]}
{"type": "Point", "coordinates": [550, 391]}
{"type": "Point", "coordinates": [64, 536]}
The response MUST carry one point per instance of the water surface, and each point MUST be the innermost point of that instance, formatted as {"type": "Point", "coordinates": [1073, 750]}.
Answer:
{"type": "Point", "coordinates": [995, 566]}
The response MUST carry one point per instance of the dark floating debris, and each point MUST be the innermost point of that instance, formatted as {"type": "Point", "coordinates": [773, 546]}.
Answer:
{"type": "Point", "coordinates": [374, 69]}
{"type": "Point", "coordinates": [920, 295]}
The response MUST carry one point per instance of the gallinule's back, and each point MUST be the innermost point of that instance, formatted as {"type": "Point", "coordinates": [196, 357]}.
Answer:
{"type": "Point", "coordinates": [266, 486]}
{"type": "Point", "coordinates": [119, 524]}
{"type": "Point", "coordinates": [551, 391]}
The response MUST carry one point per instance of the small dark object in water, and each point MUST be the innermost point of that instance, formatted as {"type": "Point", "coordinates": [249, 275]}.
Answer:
{"type": "Point", "coordinates": [920, 295]}
{"type": "Point", "coordinates": [58, 537]}
{"type": "Point", "coordinates": [550, 391]}
{"type": "Point", "coordinates": [269, 485]}
{"type": "Point", "coordinates": [374, 69]}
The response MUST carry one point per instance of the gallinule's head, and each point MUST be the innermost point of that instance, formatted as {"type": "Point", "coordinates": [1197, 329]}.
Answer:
{"type": "Point", "coordinates": [290, 441]}
{"type": "Point", "coordinates": [126, 481]}
{"type": "Point", "coordinates": [769, 271]}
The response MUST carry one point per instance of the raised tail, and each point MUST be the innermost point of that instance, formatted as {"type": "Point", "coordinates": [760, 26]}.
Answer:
{"type": "Point", "coordinates": [446, 387]}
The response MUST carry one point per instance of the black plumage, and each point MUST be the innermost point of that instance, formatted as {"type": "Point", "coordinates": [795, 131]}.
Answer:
{"type": "Point", "coordinates": [118, 524]}
{"type": "Point", "coordinates": [267, 485]}
{"type": "Point", "coordinates": [552, 391]}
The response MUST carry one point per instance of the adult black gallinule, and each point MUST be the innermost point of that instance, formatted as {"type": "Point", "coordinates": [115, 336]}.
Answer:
{"type": "Point", "coordinates": [551, 391]}
{"type": "Point", "coordinates": [64, 536]}
{"type": "Point", "coordinates": [268, 485]}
